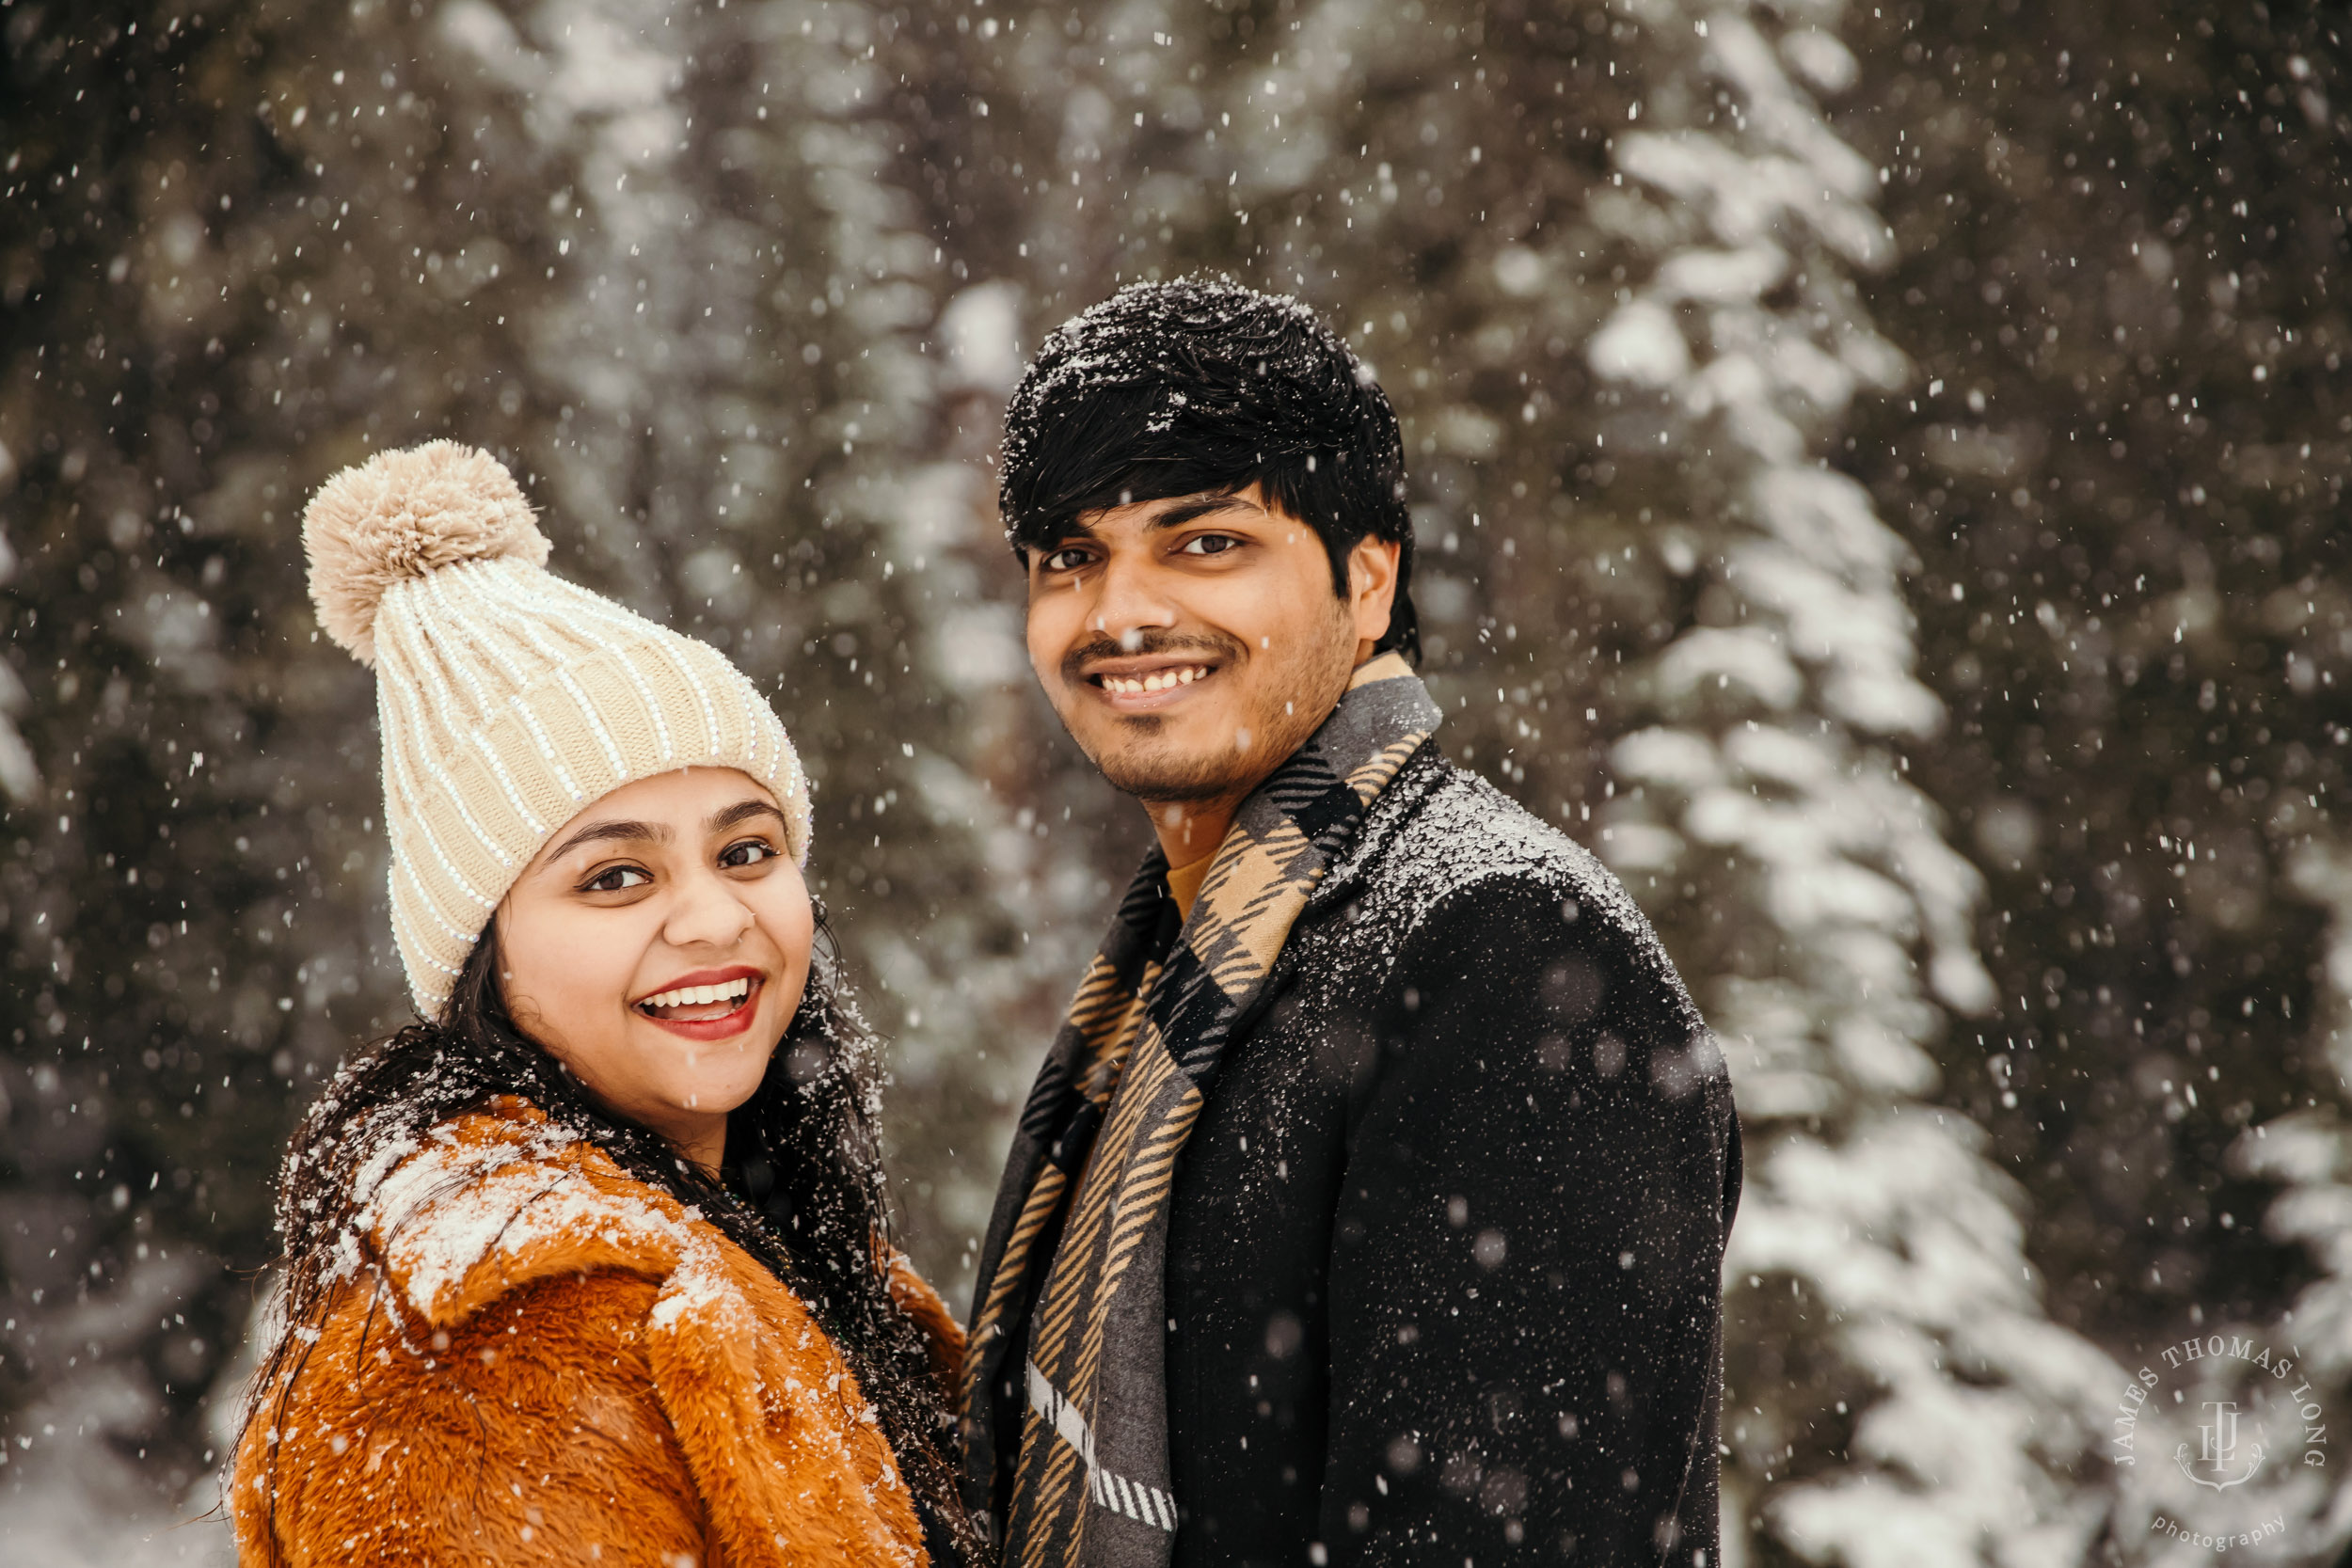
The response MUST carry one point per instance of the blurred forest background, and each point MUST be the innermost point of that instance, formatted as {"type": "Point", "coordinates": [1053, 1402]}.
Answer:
{"type": "Point", "coordinates": [1878, 470]}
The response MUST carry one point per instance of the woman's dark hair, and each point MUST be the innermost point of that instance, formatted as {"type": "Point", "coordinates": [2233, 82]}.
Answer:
{"type": "Point", "coordinates": [1204, 386]}
{"type": "Point", "coordinates": [803, 1190]}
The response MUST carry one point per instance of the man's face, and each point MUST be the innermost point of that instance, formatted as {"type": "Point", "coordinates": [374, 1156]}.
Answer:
{"type": "Point", "coordinates": [1192, 644]}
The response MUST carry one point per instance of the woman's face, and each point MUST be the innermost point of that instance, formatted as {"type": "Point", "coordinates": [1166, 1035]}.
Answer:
{"type": "Point", "coordinates": [658, 945]}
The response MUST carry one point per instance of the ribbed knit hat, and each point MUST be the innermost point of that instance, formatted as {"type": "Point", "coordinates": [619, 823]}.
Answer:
{"type": "Point", "coordinates": [510, 699]}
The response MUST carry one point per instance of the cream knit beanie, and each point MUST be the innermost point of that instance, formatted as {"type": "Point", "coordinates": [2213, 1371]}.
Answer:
{"type": "Point", "coordinates": [510, 699]}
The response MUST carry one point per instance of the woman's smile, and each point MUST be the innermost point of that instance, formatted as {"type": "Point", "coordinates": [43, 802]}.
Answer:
{"type": "Point", "coordinates": [707, 1004]}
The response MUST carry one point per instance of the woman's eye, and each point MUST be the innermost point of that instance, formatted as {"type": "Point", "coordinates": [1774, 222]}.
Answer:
{"type": "Point", "coordinates": [750, 852]}
{"type": "Point", "coordinates": [1209, 544]}
{"type": "Point", "coordinates": [620, 879]}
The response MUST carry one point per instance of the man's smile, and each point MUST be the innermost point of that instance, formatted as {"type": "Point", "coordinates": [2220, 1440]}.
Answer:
{"type": "Point", "coordinates": [1148, 684]}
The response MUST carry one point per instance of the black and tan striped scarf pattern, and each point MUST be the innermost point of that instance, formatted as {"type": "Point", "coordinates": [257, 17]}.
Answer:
{"type": "Point", "coordinates": [1118, 1093]}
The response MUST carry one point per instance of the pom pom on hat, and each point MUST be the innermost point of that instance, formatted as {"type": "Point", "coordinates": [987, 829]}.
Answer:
{"type": "Point", "coordinates": [405, 514]}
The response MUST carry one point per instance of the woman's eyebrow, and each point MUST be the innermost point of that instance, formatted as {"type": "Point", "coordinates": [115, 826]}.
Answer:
{"type": "Point", "coordinates": [742, 811]}
{"type": "Point", "coordinates": [610, 832]}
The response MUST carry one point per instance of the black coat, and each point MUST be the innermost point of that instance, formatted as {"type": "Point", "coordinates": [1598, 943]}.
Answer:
{"type": "Point", "coordinates": [1443, 1268]}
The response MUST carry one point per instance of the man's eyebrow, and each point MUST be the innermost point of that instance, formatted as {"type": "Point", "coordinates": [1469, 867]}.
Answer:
{"type": "Point", "coordinates": [1194, 507]}
{"type": "Point", "coordinates": [1077, 528]}
{"type": "Point", "coordinates": [612, 832]}
{"type": "Point", "coordinates": [1185, 509]}
{"type": "Point", "coordinates": [742, 811]}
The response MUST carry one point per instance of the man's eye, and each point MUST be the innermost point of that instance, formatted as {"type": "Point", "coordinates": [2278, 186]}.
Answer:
{"type": "Point", "coordinates": [752, 851]}
{"type": "Point", "coordinates": [1065, 561]}
{"type": "Point", "coordinates": [620, 879]}
{"type": "Point", "coordinates": [1209, 544]}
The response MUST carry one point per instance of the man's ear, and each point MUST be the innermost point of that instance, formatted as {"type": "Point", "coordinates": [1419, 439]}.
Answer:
{"type": "Point", "coordinates": [1371, 589]}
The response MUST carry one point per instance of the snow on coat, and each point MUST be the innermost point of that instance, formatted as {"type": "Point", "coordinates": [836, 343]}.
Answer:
{"type": "Point", "coordinates": [534, 1357]}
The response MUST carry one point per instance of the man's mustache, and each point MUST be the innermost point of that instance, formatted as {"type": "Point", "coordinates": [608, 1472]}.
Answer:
{"type": "Point", "coordinates": [1143, 643]}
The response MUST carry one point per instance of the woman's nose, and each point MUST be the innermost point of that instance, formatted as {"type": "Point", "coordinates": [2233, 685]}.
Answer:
{"type": "Point", "coordinates": [708, 912]}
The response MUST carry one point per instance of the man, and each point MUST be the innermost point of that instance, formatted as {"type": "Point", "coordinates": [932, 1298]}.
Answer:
{"type": "Point", "coordinates": [1369, 1205]}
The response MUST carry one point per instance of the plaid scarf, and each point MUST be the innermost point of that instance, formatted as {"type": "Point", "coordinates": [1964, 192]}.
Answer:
{"type": "Point", "coordinates": [1121, 1089]}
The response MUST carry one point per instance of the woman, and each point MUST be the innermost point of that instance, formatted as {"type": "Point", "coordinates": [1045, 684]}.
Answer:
{"type": "Point", "coordinates": [593, 1265]}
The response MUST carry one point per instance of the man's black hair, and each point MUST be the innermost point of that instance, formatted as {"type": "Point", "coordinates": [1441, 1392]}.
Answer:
{"type": "Point", "coordinates": [1203, 386]}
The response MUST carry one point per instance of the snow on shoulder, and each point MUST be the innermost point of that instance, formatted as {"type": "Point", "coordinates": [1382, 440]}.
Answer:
{"type": "Point", "coordinates": [484, 1205]}
{"type": "Point", "coordinates": [1451, 830]}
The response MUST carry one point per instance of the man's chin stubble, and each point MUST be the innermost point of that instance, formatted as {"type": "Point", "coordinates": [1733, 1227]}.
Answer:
{"type": "Point", "coordinates": [1140, 767]}
{"type": "Point", "coordinates": [1136, 764]}
{"type": "Point", "coordinates": [1164, 780]}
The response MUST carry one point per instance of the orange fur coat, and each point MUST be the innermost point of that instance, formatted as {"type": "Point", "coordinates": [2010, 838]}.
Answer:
{"type": "Point", "coordinates": [535, 1358]}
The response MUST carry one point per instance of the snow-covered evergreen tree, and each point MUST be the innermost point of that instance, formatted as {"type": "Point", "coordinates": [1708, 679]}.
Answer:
{"type": "Point", "coordinates": [226, 269]}
{"type": "Point", "coordinates": [1935, 1414]}
{"type": "Point", "coordinates": [740, 285]}
{"type": "Point", "coordinates": [1605, 262]}
{"type": "Point", "coordinates": [2118, 457]}
{"type": "Point", "coordinates": [736, 372]}
{"type": "Point", "coordinates": [2307, 1153]}
{"type": "Point", "coordinates": [653, 259]}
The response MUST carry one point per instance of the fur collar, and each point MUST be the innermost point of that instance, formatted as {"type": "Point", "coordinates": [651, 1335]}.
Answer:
{"type": "Point", "coordinates": [497, 1225]}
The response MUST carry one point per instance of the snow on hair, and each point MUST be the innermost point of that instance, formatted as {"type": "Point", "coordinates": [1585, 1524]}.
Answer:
{"type": "Point", "coordinates": [409, 514]}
